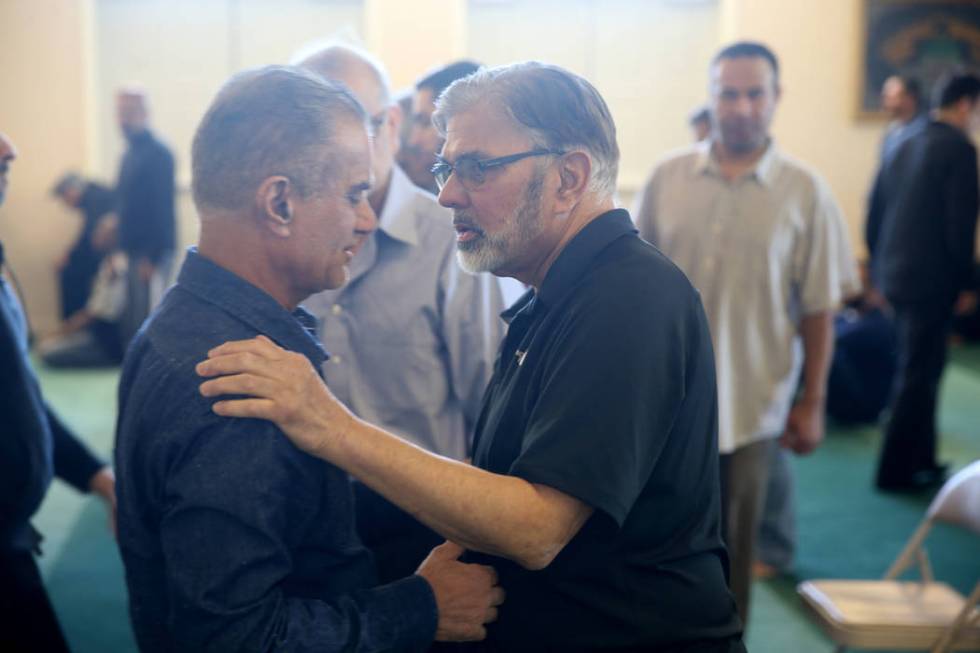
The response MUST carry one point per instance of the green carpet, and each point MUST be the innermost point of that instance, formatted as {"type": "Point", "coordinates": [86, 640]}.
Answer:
{"type": "Point", "coordinates": [846, 529]}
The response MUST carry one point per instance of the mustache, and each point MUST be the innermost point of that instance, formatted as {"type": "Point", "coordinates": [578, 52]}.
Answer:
{"type": "Point", "coordinates": [462, 220]}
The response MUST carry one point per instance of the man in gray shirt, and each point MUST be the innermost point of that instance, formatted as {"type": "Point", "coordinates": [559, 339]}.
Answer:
{"type": "Point", "coordinates": [762, 239]}
{"type": "Point", "coordinates": [412, 336]}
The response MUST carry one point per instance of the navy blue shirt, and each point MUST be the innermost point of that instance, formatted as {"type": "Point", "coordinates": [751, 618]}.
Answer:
{"type": "Point", "coordinates": [232, 538]}
{"type": "Point", "coordinates": [34, 443]}
{"type": "Point", "coordinates": [145, 191]}
{"type": "Point", "coordinates": [605, 390]}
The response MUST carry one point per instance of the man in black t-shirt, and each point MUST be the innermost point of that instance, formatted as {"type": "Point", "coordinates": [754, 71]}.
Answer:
{"type": "Point", "coordinates": [594, 490]}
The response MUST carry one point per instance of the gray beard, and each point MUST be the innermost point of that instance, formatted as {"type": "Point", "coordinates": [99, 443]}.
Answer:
{"type": "Point", "coordinates": [491, 253]}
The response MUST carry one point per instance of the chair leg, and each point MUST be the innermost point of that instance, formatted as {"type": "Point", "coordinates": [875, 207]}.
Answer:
{"type": "Point", "coordinates": [945, 642]}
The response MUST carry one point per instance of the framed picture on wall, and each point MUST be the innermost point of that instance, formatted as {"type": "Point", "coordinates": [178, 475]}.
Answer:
{"type": "Point", "coordinates": [920, 38]}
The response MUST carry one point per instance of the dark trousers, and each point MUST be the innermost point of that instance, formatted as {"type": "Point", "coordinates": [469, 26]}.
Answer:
{"type": "Point", "coordinates": [27, 620]}
{"type": "Point", "coordinates": [744, 480]}
{"type": "Point", "coordinates": [922, 329]}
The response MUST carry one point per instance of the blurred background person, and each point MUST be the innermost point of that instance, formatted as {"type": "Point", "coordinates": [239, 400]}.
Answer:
{"type": "Point", "coordinates": [700, 123]}
{"type": "Point", "coordinates": [763, 240]}
{"type": "Point", "coordinates": [147, 223]}
{"type": "Point", "coordinates": [34, 446]}
{"type": "Point", "coordinates": [921, 233]}
{"type": "Point", "coordinates": [901, 100]}
{"type": "Point", "coordinates": [424, 140]}
{"type": "Point", "coordinates": [862, 371]}
{"type": "Point", "coordinates": [78, 265]}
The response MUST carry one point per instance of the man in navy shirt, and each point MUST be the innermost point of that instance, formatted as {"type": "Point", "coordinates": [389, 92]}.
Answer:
{"type": "Point", "coordinates": [232, 538]}
{"type": "Point", "coordinates": [34, 446]}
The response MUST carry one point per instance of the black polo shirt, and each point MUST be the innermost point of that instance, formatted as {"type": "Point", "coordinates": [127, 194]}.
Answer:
{"type": "Point", "coordinates": [605, 390]}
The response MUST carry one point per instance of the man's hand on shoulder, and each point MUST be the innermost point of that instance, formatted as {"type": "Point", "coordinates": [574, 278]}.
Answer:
{"type": "Point", "coordinates": [467, 595]}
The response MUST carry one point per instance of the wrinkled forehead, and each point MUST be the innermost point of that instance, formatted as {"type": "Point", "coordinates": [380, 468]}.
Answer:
{"type": "Point", "coordinates": [483, 130]}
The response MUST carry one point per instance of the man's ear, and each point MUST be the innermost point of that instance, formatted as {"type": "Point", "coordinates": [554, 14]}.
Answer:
{"type": "Point", "coordinates": [274, 200]}
{"type": "Point", "coordinates": [574, 172]}
{"type": "Point", "coordinates": [395, 117]}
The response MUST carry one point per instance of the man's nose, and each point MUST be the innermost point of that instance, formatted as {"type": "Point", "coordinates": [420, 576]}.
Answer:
{"type": "Point", "coordinates": [453, 195]}
{"type": "Point", "coordinates": [367, 219]}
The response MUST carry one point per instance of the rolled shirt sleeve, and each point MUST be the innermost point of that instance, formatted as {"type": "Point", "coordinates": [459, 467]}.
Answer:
{"type": "Point", "coordinates": [824, 269]}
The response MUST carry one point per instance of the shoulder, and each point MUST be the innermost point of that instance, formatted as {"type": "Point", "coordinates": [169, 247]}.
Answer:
{"type": "Point", "coordinates": [175, 339]}
{"type": "Point", "coordinates": [803, 182]}
{"type": "Point", "coordinates": [634, 282]}
{"type": "Point", "coordinates": [678, 161]}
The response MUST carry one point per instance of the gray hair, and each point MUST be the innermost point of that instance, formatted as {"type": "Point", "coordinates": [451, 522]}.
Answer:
{"type": "Point", "coordinates": [556, 108]}
{"type": "Point", "coordinates": [334, 60]}
{"type": "Point", "coordinates": [268, 121]}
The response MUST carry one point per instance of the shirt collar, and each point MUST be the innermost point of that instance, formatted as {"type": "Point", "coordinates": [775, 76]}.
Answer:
{"type": "Point", "coordinates": [229, 292]}
{"type": "Point", "coordinates": [764, 170]}
{"type": "Point", "coordinates": [395, 220]}
{"type": "Point", "coordinates": [577, 257]}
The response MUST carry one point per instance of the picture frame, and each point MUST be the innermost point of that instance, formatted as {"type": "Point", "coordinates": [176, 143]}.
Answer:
{"type": "Point", "coordinates": [921, 38]}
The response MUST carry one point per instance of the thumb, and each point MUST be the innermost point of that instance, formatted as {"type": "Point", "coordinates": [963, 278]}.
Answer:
{"type": "Point", "coordinates": [448, 550]}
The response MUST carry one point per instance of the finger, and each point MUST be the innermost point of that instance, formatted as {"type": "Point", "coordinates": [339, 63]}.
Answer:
{"type": "Point", "coordinates": [491, 572]}
{"type": "Point", "coordinates": [448, 550]}
{"type": "Point", "coordinates": [254, 408]}
{"type": "Point", "coordinates": [258, 344]}
{"type": "Point", "coordinates": [490, 616]}
{"type": "Point", "coordinates": [497, 595]}
{"type": "Point", "coordinates": [244, 361]}
{"type": "Point", "coordinates": [239, 384]}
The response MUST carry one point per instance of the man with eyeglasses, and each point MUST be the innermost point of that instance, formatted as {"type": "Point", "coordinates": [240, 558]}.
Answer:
{"type": "Point", "coordinates": [594, 488]}
{"type": "Point", "coordinates": [412, 336]}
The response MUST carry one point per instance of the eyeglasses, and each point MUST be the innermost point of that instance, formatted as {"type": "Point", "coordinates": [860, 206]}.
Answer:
{"type": "Point", "coordinates": [472, 172]}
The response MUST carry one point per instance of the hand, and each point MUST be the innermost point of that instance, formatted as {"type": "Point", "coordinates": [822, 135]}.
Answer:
{"type": "Point", "coordinates": [804, 428]}
{"type": "Point", "coordinates": [284, 387]}
{"type": "Point", "coordinates": [145, 269]}
{"type": "Point", "coordinates": [467, 595]}
{"type": "Point", "coordinates": [966, 303]}
{"type": "Point", "coordinates": [103, 483]}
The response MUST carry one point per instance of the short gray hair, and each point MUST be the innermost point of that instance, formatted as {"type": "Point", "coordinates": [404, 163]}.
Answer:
{"type": "Point", "coordinates": [267, 121]}
{"type": "Point", "coordinates": [556, 108]}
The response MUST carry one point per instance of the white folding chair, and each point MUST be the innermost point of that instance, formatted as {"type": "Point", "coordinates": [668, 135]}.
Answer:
{"type": "Point", "coordinates": [907, 615]}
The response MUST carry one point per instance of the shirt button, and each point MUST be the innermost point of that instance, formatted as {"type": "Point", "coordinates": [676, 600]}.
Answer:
{"type": "Point", "coordinates": [336, 309]}
{"type": "Point", "coordinates": [337, 360]}
{"type": "Point", "coordinates": [709, 262]}
{"type": "Point", "coordinates": [717, 228]}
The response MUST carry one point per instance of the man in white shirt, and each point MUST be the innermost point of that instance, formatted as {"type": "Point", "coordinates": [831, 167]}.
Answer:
{"type": "Point", "coordinates": [412, 336]}
{"type": "Point", "coordinates": [763, 240]}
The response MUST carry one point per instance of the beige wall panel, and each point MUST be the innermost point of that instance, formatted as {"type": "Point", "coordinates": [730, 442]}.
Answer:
{"type": "Point", "coordinates": [44, 76]}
